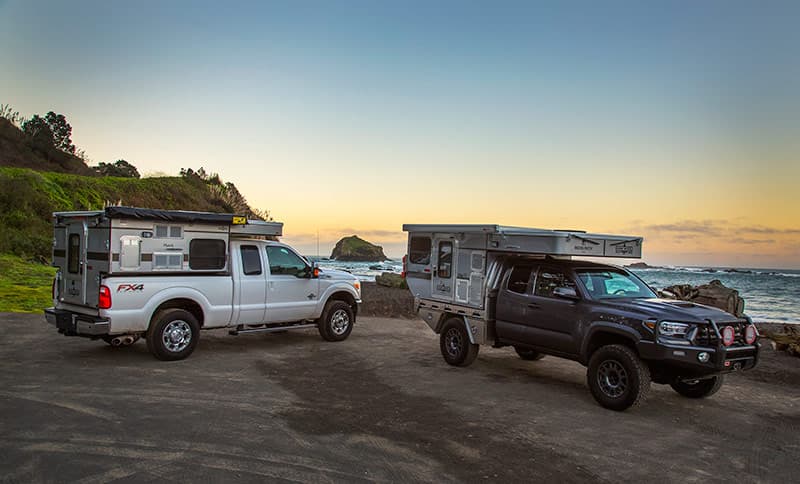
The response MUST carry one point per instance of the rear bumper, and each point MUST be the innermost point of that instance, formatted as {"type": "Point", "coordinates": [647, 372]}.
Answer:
{"type": "Point", "coordinates": [721, 359]}
{"type": "Point", "coordinates": [70, 323]}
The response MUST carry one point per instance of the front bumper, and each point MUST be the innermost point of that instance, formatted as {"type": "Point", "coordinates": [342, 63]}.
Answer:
{"type": "Point", "coordinates": [70, 323]}
{"type": "Point", "coordinates": [721, 359]}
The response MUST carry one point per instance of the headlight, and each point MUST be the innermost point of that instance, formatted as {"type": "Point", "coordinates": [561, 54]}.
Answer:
{"type": "Point", "coordinates": [669, 328]}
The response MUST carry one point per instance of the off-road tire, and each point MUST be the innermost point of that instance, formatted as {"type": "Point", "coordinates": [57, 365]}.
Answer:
{"type": "Point", "coordinates": [527, 354]}
{"type": "Point", "coordinates": [617, 378]}
{"type": "Point", "coordinates": [455, 345]}
{"type": "Point", "coordinates": [336, 322]}
{"type": "Point", "coordinates": [173, 334]}
{"type": "Point", "coordinates": [699, 389]}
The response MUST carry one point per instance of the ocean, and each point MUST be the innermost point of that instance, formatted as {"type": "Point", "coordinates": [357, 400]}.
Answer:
{"type": "Point", "coordinates": [771, 295]}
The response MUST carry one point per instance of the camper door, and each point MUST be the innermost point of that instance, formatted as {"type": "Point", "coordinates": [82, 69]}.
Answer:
{"type": "Point", "coordinates": [73, 273]}
{"type": "Point", "coordinates": [444, 270]}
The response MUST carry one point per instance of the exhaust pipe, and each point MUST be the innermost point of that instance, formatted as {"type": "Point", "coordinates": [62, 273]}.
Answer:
{"type": "Point", "coordinates": [116, 341]}
{"type": "Point", "coordinates": [128, 340]}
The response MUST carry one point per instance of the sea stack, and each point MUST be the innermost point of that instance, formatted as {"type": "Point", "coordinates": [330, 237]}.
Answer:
{"type": "Point", "coordinates": [354, 248]}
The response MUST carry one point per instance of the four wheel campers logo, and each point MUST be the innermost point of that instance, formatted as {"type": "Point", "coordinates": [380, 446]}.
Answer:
{"type": "Point", "coordinates": [130, 287]}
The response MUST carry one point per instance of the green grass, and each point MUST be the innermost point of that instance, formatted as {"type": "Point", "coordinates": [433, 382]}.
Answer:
{"type": "Point", "coordinates": [25, 287]}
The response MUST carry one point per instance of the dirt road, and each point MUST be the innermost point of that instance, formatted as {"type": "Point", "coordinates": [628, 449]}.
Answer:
{"type": "Point", "coordinates": [381, 406]}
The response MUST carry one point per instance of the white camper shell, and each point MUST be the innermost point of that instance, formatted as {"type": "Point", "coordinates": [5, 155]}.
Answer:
{"type": "Point", "coordinates": [89, 245]}
{"type": "Point", "coordinates": [452, 269]}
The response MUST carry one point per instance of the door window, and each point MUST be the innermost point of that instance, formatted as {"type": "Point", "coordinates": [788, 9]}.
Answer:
{"type": "Point", "coordinates": [74, 254]}
{"type": "Point", "coordinates": [519, 280]}
{"type": "Point", "coordinates": [284, 261]}
{"type": "Point", "coordinates": [549, 280]}
{"type": "Point", "coordinates": [445, 260]}
{"type": "Point", "coordinates": [251, 260]}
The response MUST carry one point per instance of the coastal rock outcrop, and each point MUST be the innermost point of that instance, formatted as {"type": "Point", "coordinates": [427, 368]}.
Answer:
{"type": "Point", "coordinates": [391, 279]}
{"type": "Point", "coordinates": [715, 294]}
{"type": "Point", "coordinates": [354, 248]}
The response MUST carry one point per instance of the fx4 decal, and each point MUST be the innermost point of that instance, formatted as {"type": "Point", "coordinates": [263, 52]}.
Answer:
{"type": "Point", "coordinates": [130, 287]}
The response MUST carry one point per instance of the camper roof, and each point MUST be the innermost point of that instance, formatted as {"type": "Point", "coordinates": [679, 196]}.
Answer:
{"type": "Point", "coordinates": [239, 224]}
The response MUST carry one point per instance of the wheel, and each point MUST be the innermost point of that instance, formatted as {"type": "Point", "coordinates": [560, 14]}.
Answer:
{"type": "Point", "coordinates": [455, 345]}
{"type": "Point", "coordinates": [173, 334]}
{"type": "Point", "coordinates": [336, 322]}
{"type": "Point", "coordinates": [617, 378]}
{"type": "Point", "coordinates": [526, 354]}
{"type": "Point", "coordinates": [698, 388]}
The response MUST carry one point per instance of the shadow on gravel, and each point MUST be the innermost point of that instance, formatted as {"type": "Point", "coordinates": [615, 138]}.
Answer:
{"type": "Point", "coordinates": [347, 397]}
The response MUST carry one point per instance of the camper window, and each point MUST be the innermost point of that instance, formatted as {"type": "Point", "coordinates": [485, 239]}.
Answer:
{"type": "Point", "coordinates": [74, 256]}
{"type": "Point", "coordinates": [206, 254]}
{"type": "Point", "coordinates": [420, 250]}
{"type": "Point", "coordinates": [169, 231]}
{"type": "Point", "coordinates": [251, 260]}
{"type": "Point", "coordinates": [445, 261]}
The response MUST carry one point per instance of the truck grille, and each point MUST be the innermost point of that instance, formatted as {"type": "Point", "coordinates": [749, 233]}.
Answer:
{"type": "Point", "coordinates": [706, 336]}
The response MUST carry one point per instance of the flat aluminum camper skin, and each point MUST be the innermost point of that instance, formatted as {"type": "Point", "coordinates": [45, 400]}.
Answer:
{"type": "Point", "coordinates": [454, 269]}
{"type": "Point", "coordinates": [89, 245]}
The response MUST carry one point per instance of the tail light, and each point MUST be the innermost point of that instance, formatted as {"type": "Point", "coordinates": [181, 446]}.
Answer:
{"type": "Point", "coordinates": [104, 298]}
{"type": "Point", "coordinates": [728, 335]}
{"type": "Point", "coordinates": [750, 334]}
{"type": "Point", "coordinates": [403, 274]}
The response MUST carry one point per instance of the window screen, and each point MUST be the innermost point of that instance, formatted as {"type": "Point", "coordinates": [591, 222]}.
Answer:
{"type": "Point", "coordinates": [206, 254]}
{"type": "Point", "coordinates": [251, 260]}
{"type": "Point", "coordinates": [74, 255]}
{"type": "Point", "coordinates": [445, 260]}
{"type": "Point", "coordinates": [167, 261]}
{"type": "Point", "coordinates": [419, 251]}
{"type": "Point", "coordinates": [169, 231]}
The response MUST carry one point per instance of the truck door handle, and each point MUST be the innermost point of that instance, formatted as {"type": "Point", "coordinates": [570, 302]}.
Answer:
{"type": "Point", "coordinates": [533, 306]}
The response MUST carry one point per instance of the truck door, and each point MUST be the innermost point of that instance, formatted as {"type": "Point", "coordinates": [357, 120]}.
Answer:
{"type": "Point", "coordinates": [251, 289]}
{"type": "Point", "coordinates": [74, 272]}
{"type": "Point", "coordinates": [551, 320]}
{"type": "Point", "coordinates": [292, 295]}
{"type": "Point", "coordinates": [444, 273]}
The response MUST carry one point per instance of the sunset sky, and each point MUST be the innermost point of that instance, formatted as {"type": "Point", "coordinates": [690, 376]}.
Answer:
{"type": "Point", "coordinates": [679, 123]}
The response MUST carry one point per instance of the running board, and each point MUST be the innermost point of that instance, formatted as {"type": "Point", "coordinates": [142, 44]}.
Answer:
{"type": "Point", "coordinates": [271, 329]}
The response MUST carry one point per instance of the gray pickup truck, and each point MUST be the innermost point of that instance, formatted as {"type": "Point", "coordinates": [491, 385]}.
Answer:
{"type": "Point", "coordinates": [493, 285]}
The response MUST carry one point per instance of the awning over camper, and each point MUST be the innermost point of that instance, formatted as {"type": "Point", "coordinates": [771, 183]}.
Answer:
{"type": "Point", "coordinates": [179, 216]}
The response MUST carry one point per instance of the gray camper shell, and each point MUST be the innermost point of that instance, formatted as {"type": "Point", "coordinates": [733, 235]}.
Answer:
{"type": "Point", "coordinates": [88, 245]}
{"type": "Point", "coordinates": [455, 269]}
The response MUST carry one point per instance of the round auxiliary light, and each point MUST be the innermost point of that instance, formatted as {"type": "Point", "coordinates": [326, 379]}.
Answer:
{"type": "Point", "coordinates": [728, 335]}
{"type": "Point", "coordinates": [703, 357]}
{"type": "Point", "coordinates": [750, 334]}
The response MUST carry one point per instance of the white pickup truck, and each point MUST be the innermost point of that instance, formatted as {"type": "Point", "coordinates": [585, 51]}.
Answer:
{"type": "Point", "coordinates": [128, 272]}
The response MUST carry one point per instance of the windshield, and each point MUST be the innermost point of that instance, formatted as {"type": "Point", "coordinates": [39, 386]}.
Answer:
{"type": "Point", "coordinates": [612, 283]}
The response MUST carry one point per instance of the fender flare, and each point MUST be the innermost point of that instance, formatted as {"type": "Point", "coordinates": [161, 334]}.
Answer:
{"type": "Point", "coordinates": [333, 289]}
{"type": "Point", "coordinates": [170, 293]}
{"type": "Point", "coordinates": [607, 327]}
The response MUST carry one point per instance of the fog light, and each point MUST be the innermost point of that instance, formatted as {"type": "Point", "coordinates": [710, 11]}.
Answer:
{"type": "Point", "coordinates": [703, 357]}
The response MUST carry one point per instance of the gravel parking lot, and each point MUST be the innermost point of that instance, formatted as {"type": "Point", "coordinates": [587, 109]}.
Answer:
{"type": "Point", "coordinates": [381, 406]}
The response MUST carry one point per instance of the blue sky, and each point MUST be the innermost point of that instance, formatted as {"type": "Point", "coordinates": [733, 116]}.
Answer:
{"type": "Point", "coordinates": [488, 111]}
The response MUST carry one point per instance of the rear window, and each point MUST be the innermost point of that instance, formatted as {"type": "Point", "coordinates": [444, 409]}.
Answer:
{"type": "Point", "coordinates": [74, 254]}
{"type": "Point", "coordinates": [206, 254]}
{"type": "Point", "coordinates": [251, 260]}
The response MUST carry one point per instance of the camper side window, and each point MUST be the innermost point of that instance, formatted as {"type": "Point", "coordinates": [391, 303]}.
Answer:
{"type": "Point", "coordinates": [445, 261]}
{"type": "Point", "coordinates": [419, 251]}
{"type": "Point", "coordinates": [74, 256]}
{"type": "Point", "coordinates": [206, 254]}
{"type": "Point", "coordinates": [169, 231]}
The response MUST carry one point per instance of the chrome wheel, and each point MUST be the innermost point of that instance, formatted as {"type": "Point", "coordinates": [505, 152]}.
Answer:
{"type": "Point", "coordinates": [454, 342]}
{"type": "Point", "coordinates": [176, 336]}
{"type": "Point", "coordinates": [612, 378]}
{"type": "Point", "coordinates": [340, 321]}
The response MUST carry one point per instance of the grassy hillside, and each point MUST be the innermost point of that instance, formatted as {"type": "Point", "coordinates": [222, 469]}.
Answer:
{"type": "Point", "coordinates": [17, 150]}
{"type": "Point", "coordinates": [28, 198]}
{"type": "Point", "coordinates": [25, 287]}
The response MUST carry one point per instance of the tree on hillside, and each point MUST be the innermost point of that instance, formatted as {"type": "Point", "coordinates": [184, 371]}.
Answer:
{"type": "Point", "coordinates": [52, 130]}
{"type": "Point", "coordinates": [118, 168]}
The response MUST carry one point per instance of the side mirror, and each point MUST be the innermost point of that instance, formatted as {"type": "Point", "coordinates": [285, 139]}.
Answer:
{"type": "Point", "coordinates": [314, 270]}
{"type": "Point", "coordinates": [566, 293]}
